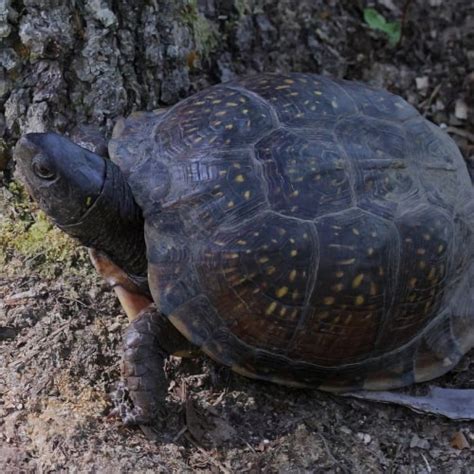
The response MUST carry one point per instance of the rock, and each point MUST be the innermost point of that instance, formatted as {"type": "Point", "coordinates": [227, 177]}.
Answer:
{"type": "Point", "coordinates": [364, 437]}
{"type": "Point", "coordinates": [460, 110]}
{"type": "Point", "coordinates": [422, 83]}
{"type": "Point", "coordinates": [417, 442]}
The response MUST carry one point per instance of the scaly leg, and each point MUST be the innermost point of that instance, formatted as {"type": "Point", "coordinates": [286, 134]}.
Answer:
{"type": "Point", "coordinates": [148, 340]}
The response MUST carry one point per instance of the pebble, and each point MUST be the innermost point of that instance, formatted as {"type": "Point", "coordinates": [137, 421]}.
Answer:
{"type": "Point", "coordinates": [364, 437]}
{"type": "Point", "coordinates": [422, 82]}
{"type": "Point", "coordinates": [460, 110]}
{"type": "Point", "coordinates": [417, 442]}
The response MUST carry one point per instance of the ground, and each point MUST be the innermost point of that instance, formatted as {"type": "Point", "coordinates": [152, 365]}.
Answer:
{"type": "Point", "coordinates": [60, 325]}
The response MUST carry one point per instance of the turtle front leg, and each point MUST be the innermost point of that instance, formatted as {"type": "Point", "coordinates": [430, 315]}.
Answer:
{"type": "Point", "coordinates": [147, 341]}
{"type": "Point", "coordinates": [143, 360]}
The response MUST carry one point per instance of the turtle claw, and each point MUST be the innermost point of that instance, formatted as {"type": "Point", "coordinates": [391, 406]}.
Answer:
{"type": "Point", "coordinates": [132, 413]}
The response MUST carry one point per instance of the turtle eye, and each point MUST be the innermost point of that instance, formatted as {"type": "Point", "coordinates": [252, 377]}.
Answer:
{"type": "Point", "coordinates": [41, 167]}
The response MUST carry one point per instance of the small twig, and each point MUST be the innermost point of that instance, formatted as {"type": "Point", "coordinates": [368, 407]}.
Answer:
{"type": "Point", "coordinates": [180, 433]}
{"type": "Point", "coordinates": [428, 467]}
{"type": "Point", "coordinates": [41, 344]}
{"type": "Point", "coordinates": [67, 298]}
{"type": "Point", "coordinates": [427, 103]}
{"type": "Point", "coordinates": [403, 21]}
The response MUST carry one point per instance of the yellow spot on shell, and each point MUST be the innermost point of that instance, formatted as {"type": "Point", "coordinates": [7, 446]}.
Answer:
{"type": "Point", "coordinates": [339, 274]}
{"type": "Point", "coordinates": [359, 300]}
{"type": "Point", "coordinates": [232, 104]}
{"type": "Point", "coordinates": [349, 261]}
{"type": "Point", "coordinates": [245, 111]}
{"type": "Point", "coordinates": [240, 178]}
{"type": "Point", "coordinates": [263, 260]}
{"type": "Point", "coordinates": [283, 311]}
{"type": "Point", "coordinates": [318, 93]}
{"type": "Point", "coordinates": [294, 253]}
{"type": "Point", "coordinates": [289, 81]}
{"type": "Point", "coordinates": [293, 275]}
{"type": "Point", "coordinates": [281, 292]}
{"type": "Point", "coordinates": [357, 280]}
{"type": "Point", "coordinates": [370, 251]}
{"type": "Point", "coordinates": [337, 287]}
{"type": "Point", "coordinates": [271, 270]}
{"type": "Point", "coordinates": [281, 87]}
{"type": "Point", "coordinates": [242, 242]}
{"type": "Point", "coordinates": [229, 126]}
{"type": "Point", "coordinates": [355, 231]}
{"type": "Point", "coordinates": [230, 204]}
{"type": "Point", "coordinates": [440, 248]}
{"type": "Point", "coordinates": [329, 300]}
{"type": "Point", "coordinates": [247, 195]}
{"type": "Point", "coordinates": [271, 307]}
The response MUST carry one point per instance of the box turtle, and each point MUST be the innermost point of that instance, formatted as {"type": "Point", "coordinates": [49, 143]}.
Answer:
{"type": "Point", "coordinates": [299, 229]}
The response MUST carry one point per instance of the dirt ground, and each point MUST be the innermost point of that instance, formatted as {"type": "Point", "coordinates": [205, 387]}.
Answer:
{"type": "Point", "coordinates": [60, 327]}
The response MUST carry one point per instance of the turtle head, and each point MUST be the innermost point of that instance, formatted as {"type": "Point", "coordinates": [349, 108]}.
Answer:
{"type": "Point", "coordinates": [64, 178]}
{"type": "Point", "coordinates": [85, 195]}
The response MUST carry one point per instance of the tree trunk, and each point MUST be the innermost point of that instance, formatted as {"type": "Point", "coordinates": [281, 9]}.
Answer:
{"type": "Point", "coordinates": [67, 62]}
{"type": "Point", "coordinates": [75, 61]}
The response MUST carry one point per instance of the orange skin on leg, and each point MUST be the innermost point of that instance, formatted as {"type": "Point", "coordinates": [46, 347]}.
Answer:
{"type": "Point", "coordinates": [132, 300]}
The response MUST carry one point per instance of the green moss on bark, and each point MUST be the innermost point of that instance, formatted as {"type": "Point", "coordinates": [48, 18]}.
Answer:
{"type": "Point", "coordinates": [29, 241]}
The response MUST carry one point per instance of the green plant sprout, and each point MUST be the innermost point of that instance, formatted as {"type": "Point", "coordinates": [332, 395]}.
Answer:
{"type": "Point", "coordinates": [377, 21]}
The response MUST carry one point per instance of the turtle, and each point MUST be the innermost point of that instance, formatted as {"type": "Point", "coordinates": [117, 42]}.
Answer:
{"type": "Point", "coordinates": [297, 228]}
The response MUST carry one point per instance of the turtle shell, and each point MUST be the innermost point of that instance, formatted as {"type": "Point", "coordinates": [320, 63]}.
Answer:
{"type": "Point", "coordinates": [307, 230]}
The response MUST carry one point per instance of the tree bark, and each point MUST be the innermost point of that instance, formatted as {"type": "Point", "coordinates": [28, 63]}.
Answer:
{"type": "Point", "coordinates": [89, 61]}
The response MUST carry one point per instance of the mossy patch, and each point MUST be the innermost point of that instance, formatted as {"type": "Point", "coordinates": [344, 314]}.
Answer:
{"type": "Point", "coordinates": [28, 240]}
{"type": "Point", "coordinates": [205, 33]}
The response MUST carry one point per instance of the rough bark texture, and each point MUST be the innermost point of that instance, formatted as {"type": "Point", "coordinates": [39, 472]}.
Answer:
{"type": "Point", "coordinates": [69, 62]}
